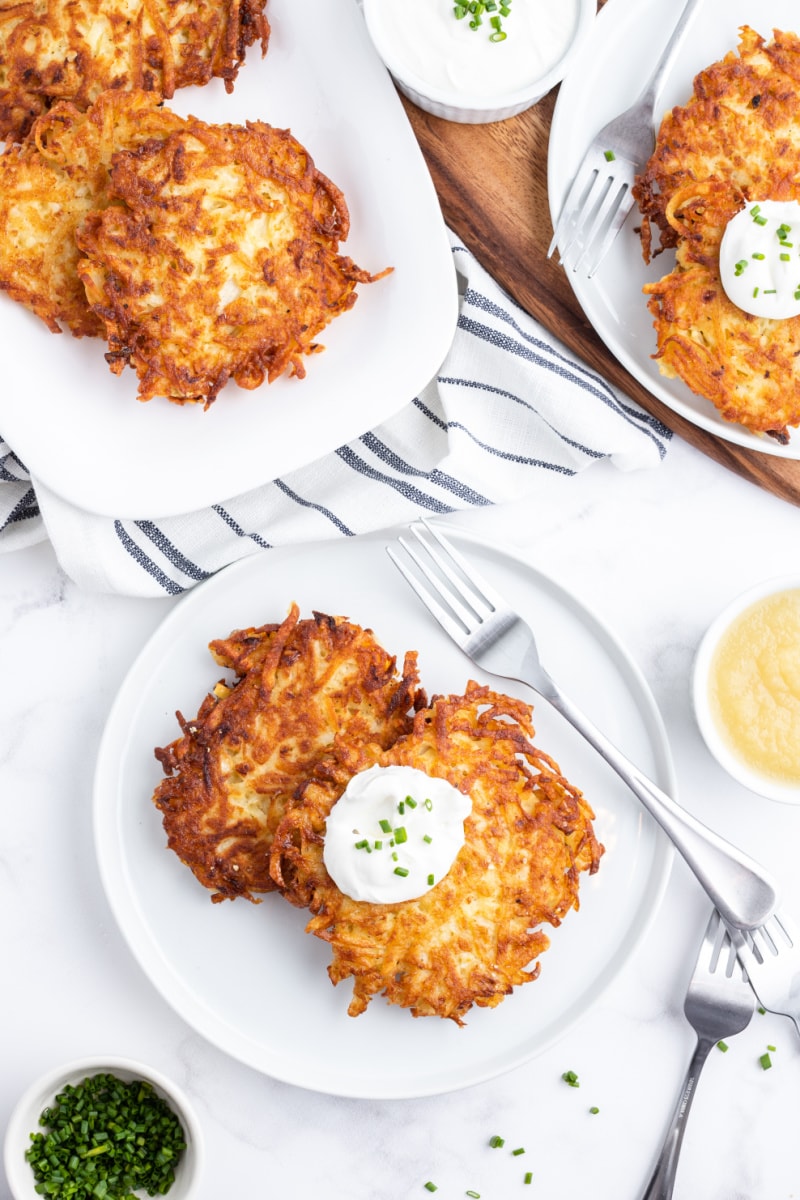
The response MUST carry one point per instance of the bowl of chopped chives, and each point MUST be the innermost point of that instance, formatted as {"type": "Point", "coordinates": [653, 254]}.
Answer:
{"type": "Point", "coordinates": [103, 1129]}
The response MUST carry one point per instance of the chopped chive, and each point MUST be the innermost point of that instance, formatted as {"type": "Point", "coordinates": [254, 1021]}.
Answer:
{"type": "Point", "coordinates": [473, 1195]}
{"type": "Point", "coordinates": [594, 1109]}
{"type": "Point", "coordinates": [757, 255]}
{"type": "Point", "coordinates": [787, 245]}
{"type": "Point", "coordinates": [609, 155]}
{"type": "Point", "coordinates": [772, 1048]}
{"type": "Point", "coordinates": [723, 1046]}
{"type": "Point", "coordinates": [739, 267]}
{"type": "Point", "coordinates": [428, 804]}
{"type": "Point", "coordinates": [430, 881]}
{"type": "Point", "coordinates": [571, 1078]}
{"type": "Point", "coordinates": [769, 291]}
{"type": "Point", "coordinates": [401, 871]}
{"type": "Point", "coordinates": [378, 844]}
{"type": "Point", "coordinates": [766, 1062]}
{"type": "Point", "coordinates": [427, 838]}
{"type": "Point", "coordinates": [430, 1187]}
{"type": "Point", "coordinates": [528, 1177]}
{"type": "Point", "coordinates": [760, 220]}
{"type": "Point", "coordinates": [459, 11]}
{"type": "Point", "coordinates": [394, 855]}
{"type": "Point", "coordinates": [755, 210]}
{"type": "Point", "coordinates": [519, 1150]}
{"type": "Point", "coordinates": [401, 808]}
{"type": "Point", "coordinates": [400, 834]}
{"type": "Point", "coordinates": [761, 1010]}
{"type": "Point", "coordinates": [362, 844]}
{"type": "Point", "coordinates": [755, 292]}
{"type": "Point", "coordinates": [496, 1141]}
{"type": "Point", "coordinates": [385, 825]}
{"type": "Point", "coordinates": [499, 35]}
{"type": "Point", "coordinates": [411, 802]}
{"type": "Point", "coordinates": [785, 257]}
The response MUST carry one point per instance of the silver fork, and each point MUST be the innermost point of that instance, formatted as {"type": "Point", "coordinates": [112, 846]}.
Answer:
{"type": "Point", "coordinates": [719, 1003]}
{"type": "Point", "coordinates": [600, 196]}
{"type": "Point", "coordinates": [489, 632]}
{"type": "Point", "coordinates": [771, 957]}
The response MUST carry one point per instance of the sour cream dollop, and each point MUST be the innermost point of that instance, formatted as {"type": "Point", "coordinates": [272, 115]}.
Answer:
{"type": "Point", "coordinates": [394, 834]}
{"type": "Point", "coordinates": [447, 54]}
{"type": "Point", "coordinates": [759, 259]}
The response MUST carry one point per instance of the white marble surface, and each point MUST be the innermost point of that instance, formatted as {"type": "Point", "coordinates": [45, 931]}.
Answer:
{"type": "Point", "coordinates": [656, 554]}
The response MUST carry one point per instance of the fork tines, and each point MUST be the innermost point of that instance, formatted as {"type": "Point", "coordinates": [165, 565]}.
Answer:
{"type": "Point", "coordinates": [593, 213]}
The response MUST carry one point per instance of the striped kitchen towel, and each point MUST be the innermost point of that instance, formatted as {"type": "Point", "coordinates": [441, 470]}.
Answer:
{"type": "Point", "coordinates": [509, 406]}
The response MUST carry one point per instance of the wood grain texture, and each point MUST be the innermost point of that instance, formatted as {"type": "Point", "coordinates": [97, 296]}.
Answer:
{"type": "Point", "coordinates": [492, 185]}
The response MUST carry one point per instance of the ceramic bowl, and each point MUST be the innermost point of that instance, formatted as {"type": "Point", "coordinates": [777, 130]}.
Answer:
{"type": "Point", "coordinates": [736, 767]}
{"type": "Point", "coordinates": [456, 104]}
{"type": "Point", "coordinates": [25, 1121]}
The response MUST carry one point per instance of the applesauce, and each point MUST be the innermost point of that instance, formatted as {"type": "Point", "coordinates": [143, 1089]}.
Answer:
{"type": "Point", "coordinates": [754, 686]}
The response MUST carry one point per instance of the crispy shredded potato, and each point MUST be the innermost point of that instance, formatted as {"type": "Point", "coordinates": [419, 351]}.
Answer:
{"type": "Point", "coordinates": [476, 935]}
{"type": "Point", "coordinates": [736, 140]}
{"type": "Point", "coordinates": [75, 49]}
{"type": "Point", "coordinates": [219, 262]}
{"type": "Point", "coordinates": [49, 184]}
{"type": "Point", "coordinates": [300, 688]}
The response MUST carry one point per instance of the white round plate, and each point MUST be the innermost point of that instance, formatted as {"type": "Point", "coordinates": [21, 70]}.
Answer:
{"type": "Point", "coordinates": [82, 432]}
{"type": "Point", "coordinates": [605, 79]}
{"type": "Point", "coordinates": [247, 976]}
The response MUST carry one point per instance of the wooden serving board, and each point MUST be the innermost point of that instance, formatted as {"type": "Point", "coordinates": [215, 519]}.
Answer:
{"type": "Point", "coordinates": [492, 185]}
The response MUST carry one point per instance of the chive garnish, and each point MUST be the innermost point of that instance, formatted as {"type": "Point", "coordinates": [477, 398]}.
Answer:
{"type": "Point", "coordinates": [459, 11]}
{"type": "Point", "coordinates": [78, 1157]}
{"type": "Point", "coordinates": [772, 1048]}
{"type": "Point", "coordinates": [723, 1046]}
{"type": "Point", "coordinates": [473, 1195]}
{"type": "Point", "coordinates": [427, 838]}
{"type": "Point", "coordinates": [785, 257]}
{"type": "Point", "coordinates": [528, 1177]}
{"type": "Point", "coordinates": [401, 808]}
{"type": "Point", "coordinates": [378, 844]}
{"type": "Point", "coordinates": [362, 844]}
{"type": "Point", "coordinates": [760, 220]}
{"type": "Point", "coordinates": [757, 255]}
{"type": "Point", "coordinates": [766, 1062]}
{"type": "Point", "coordinates": [430, 881]}
{"type": "Point", "coordinates": [401, 871]}
{"type": "Point", "coordinates": [430, 1187]}
{"type": "Point", "coordinates": [594, 1109]}
{"type": "Point", "coordinates": [519, 1150]}
{"type": "Point", "coordinates": [499, 35]}
{"type": "Point", "coordinates": [496, 1141]}
{"type": "Point", "coordinates": [755, 292]}
{"type": "Point", "coordinates": [411, 802]}
{"type": "Point", "coordinates": [571, 1078]}
{"type": "Point", "coordinates": [428, 804]}
{"type": "Point", "coordinates": [769, 291]}
{"type": "Point", "coordinates": [385, 825]}
{"type": "Point", "coordinates": [400, 835]}
{"type": "Point", "coordinates": [609, 155]}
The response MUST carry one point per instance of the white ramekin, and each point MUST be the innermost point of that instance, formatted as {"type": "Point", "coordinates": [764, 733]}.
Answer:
{"type": "Point", "coordinates": [460, 106]}
{"type": "Point", "coordinates": [25, 1121]}
{"type": "Point", "coordinates": [737, 768]}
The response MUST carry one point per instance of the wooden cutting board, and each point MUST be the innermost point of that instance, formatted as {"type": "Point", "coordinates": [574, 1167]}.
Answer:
{"type": "Point", "coordinates": [492, 185]}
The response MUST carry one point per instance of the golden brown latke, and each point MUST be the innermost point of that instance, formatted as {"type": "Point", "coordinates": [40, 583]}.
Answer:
{"type": "Point", "coordinates": [300, 687]}
{"type": "Point", "coordinates": [737, 140]}
{"type": "Point", "coordinates": [75, 49]}
{"type": "Point", "coordinates": [474, 936]}
{"type": "Point", "coordinates": [49, 184]}
{"type": "Point", "coordinates": [221, 261]}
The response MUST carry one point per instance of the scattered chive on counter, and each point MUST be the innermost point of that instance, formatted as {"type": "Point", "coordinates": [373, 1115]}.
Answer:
{"type": "Point", "coordinates": [496, 1142]}
{"type": "Point", "coordinates": [766, 1062]}
{"type": "Point", "coordinates": [571, 1078]}
{"type": "Point", "coordinates": [723, 1046]}
{"type": "Point", "coordinates": [105, 1138]}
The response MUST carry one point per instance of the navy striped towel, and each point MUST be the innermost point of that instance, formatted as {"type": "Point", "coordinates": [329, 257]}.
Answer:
{"type": "Point", "coordinates": [509, 405]}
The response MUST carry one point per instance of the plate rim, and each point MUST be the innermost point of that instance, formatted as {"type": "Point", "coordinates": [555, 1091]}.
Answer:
{"type": "Point", "coordinates": [231, 1041]}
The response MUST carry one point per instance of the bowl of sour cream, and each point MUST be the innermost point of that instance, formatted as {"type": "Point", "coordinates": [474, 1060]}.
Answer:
{"type": "Point", "coordinates": [746, 689]}
{"type": "Point", "coordinates": [476, 61]}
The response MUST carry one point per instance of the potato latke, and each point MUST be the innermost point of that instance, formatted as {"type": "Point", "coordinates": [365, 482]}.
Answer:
{"type": "Point", "coordinates": [47, 187]}
{"type": "Point", "coordinates": [219, 262]}
{"type": "Point", "coordinates": [75, 49]}
{"type": "Point", "coordinates": [735, 141]}
{"type": "Point", "coordinates": [300, 687]}
{"type": "Point", "coordinates": [474, 936]}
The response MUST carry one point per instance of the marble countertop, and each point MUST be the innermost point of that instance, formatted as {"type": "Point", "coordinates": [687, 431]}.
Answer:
{"type": "Point", "coordinates": [656, 554]}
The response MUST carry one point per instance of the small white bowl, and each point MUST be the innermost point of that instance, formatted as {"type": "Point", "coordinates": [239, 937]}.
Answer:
{"type": "Point", "coordinates": [455, 104]}
{"type": "Point", "coordinates": [25, 1121]}
{"type": "Point", "coordinates": [737, 768]}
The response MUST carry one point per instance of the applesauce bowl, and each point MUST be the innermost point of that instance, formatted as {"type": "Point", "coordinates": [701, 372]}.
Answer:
{"type": "Point", "coordinates": [460, 73]}
{"type": "Point", "coordinates": [42, 1094]}
{"type": "Point", "coordinates": [746, 689]}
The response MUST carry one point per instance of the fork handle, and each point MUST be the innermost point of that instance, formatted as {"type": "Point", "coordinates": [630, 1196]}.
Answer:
{"type": "Point", "coordinates": [740, 888]}
{"type": "Point", "coordinates": [663, 1179]}
{"type": "Point", "coordinates": [651, 92]}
